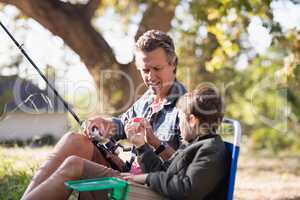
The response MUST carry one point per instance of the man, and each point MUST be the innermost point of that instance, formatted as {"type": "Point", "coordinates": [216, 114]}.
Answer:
{"type": "Point", "coordinates": [156, 60]}
{"type": "Point", "coordinates": [196, 171]}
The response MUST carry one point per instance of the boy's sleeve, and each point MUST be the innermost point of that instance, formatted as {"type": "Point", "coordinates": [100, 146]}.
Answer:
{"type": "Point", "coordinates": [202, 175]}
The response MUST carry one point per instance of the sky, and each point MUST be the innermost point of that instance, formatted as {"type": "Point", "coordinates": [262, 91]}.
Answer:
{"type": "Point", "coordinates": [46, 49]}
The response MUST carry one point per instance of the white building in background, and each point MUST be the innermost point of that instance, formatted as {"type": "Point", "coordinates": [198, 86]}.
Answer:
{"type": "Point", "coordinates": [30, 111]}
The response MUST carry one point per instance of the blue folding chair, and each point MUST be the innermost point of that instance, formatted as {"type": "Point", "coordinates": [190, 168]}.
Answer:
{"type": "Point", "coordinates": [233, 149]}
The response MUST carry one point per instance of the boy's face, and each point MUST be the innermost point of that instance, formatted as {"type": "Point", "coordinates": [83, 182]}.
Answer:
{"type": "Point", "coordinates": [187, 131]}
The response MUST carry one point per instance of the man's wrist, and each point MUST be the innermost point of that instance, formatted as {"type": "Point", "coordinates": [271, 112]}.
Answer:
{"type": "Point", "coordinates": [156, 143]}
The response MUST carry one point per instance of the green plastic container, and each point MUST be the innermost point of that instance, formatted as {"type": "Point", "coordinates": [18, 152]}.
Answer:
{"type": "Point", "coordinates": [117, 188]}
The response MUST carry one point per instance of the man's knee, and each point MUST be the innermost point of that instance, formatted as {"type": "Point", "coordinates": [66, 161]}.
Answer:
{"type": "Point", "coordinates": [73, 144]}
{"type": "Point", "coordinates": [72, 167]}
{"type": "Point", "coordinates": [75, 140]}
{"type": "Point", "coordinates": [72, 161]}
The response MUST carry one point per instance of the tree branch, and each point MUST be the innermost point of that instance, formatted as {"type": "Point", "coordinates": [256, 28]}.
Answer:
{"type": "Point", "coordinates": [157, 16]}
{"type": "Point", "coordinates": [67, 21]}
{"type": "Point", "coordinates": [91, 7]}
{"type": "Point", "coordinates": [6, 1]}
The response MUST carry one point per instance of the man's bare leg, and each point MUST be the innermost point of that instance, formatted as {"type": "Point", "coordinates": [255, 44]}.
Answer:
{"type": "Point", "coordinates": [73, 168]}
{"type": "Point", "coordinates": [70, 144]}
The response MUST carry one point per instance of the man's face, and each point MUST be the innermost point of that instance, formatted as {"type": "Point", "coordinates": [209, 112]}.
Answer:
{"type": "Point", "coordinates": [187, 132]}
{"type": "Point", "coordinates": [157, 73]}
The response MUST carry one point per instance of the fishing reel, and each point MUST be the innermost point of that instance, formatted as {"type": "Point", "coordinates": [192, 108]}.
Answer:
{"type": "Point", "coordinates": [109, 149]}
{"type": "Point", "coordinates": [110, 144]}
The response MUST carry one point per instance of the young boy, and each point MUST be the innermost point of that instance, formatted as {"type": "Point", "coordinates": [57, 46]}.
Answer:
{"type": "Point", "coordinates": [198, 169]}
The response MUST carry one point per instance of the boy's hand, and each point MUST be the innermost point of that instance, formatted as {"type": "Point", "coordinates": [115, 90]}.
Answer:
{"type": "Point", "coordinates": [135, 133]}
{"type": "Point", "coordinates": [150, 138]}
{"type": "Point", "coordinates": [140, 178]}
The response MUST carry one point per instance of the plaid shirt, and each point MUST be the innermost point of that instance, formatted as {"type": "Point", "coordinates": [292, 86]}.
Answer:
{"type": "Point", "coordinates": [164, 120]}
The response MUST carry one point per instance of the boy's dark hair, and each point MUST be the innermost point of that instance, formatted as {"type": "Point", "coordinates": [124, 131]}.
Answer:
{"type": "Point", "coordinates": [154, 39]}
{"type": "Point", "coordinates": [206, 104]}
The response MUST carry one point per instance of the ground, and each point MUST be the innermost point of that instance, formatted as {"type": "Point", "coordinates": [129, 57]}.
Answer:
{"type": "Point", "coordinates": [260, 176]}
{"type": "Point", "coordinates": [264, 177]}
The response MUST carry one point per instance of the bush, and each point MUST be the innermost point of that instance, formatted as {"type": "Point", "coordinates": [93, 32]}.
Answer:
{"type": "Point", "coordinates": [270, 139]}
{"type": "Point", "coordinates": [36, 141]}
{"type": "Point", "coordinates": [296, 144]}
{"type": "Point", "coordinates": [39, 141]}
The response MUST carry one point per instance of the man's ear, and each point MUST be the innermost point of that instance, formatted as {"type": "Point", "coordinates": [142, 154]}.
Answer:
{"type": "Point", "coordinates": [193, 120]}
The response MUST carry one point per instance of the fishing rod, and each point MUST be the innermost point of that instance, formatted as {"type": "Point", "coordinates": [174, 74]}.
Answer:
{"type": "Point", "coordinates": [80, 123]}
{"type": "Point", "coordinates": [108, 149]}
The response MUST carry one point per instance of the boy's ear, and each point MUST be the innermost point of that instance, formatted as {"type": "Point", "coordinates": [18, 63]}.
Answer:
{"type": "Point", "coordinates": [193, 120]}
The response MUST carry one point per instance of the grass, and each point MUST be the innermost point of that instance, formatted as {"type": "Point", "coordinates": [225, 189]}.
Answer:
{"type": "Point", "coordinates": [16, 169]}
{"type": "Point", "coordinates": [260, 176]}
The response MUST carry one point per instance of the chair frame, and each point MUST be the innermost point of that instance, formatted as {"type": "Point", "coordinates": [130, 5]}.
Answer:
{"type": "Point", "coordinates": [234, 149]}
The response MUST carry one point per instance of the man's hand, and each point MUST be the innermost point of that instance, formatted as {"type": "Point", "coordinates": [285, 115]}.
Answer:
{"type": "Point", "coordinates": [105, 127]}
{"type": "Point", "coordinates": [140, 178]}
